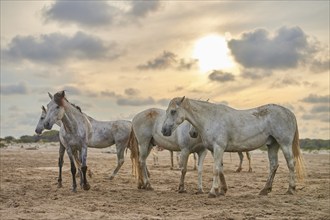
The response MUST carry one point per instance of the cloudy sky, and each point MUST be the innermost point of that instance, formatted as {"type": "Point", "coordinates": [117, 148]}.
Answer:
{"type": "Point", "coordinates": [117, 58]}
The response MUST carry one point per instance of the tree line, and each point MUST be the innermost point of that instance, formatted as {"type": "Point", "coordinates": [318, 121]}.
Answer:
{"type": "Point", "coordinates": [53, 136]}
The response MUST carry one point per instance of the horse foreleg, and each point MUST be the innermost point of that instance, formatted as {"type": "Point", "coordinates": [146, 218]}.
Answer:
{"type": "Point", "coordinates": [273, 165]}
{"type": "Point", "coordinates": [120, 159]}
{"type": "Point", "coordinates": [60, 165]}
{"type": "Point", "coordinates": [85, 185]}
{"type": "Point", "coordinates": [218, 173]}
{"type": "Point", "coordinates": [201, 157]}
{"type": "Point", "coordinates": [73, 169]}
{"type": "Point", "coordinates": [241, 156]}
{"type": "Point", "coordinates": [183, 165]}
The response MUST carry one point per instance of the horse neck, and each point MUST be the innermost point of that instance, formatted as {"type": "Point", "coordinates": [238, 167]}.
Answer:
{"type": "Point", "coordinates": [195, 111]}
{"type": "Point", "coordinates": [71, 117]}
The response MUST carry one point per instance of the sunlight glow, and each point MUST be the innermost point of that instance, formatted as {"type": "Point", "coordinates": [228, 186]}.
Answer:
{"type": "Point", "coordinates": [212, 53]}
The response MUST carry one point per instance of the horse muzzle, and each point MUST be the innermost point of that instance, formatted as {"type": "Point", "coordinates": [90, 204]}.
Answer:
{"type": "Point", "coordinates": [166, 131]}
{"type": "Point", "coordinates": [48, 126]}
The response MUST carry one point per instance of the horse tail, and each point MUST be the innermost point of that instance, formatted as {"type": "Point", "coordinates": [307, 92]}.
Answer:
{"type": "Point", "coordinates": [134, 147]}
{"type": "Point", "coordinates": [298, 157]}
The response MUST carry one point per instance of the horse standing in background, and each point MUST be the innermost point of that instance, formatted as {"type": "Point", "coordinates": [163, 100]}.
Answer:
{"type": "Point", "coordinates": [147, 128]}
{"type": "Point", "coordinates": [81, 131]}
{"type": "Point", "coordinates": [226, 129]}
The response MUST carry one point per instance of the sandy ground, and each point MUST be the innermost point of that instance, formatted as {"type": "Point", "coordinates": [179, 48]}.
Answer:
{"type": "Point", "coordinates": [29, 190]}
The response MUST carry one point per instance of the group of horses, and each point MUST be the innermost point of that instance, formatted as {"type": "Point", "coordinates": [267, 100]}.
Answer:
{"type": "Point", "coordinates": [188, 126]}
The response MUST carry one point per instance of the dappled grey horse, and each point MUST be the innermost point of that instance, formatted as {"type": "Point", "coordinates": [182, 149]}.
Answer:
{"type": "Point", "coordinates": [118, 136]}
{"type": "Point", "coordinates": [81, 131]}
{"type": "Point", "coordinates": [38, 130]}
{"type": "Point", "coordinates": [226, 129]}
{"type": "Point", "coordinates": [147, 128]}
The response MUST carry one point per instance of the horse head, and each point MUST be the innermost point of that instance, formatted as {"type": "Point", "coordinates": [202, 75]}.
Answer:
{"type": "Point", "coordinates": [40, 125]}
{"type": "Point", "coordinates": [174, 116]}
{"type": "Point", "coordinates": [55, 109]}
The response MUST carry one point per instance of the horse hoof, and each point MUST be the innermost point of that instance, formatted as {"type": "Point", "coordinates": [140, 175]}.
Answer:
{"type": "Point", "coordinates": [111, 177]}
{"type": "Point", "coordinates": [290, 192]}
{"type": "Point", "coordinates": [263, 192]}
{"type": "Point", "coordinates": [250, 171]}
{"type": "Point", "coordinates": [200, 191]}
{"type": "Point", "coordinates": [74, 190]}
{"type": "Point", "coordinates": [86, 186]}
{"type": "Point", "coordinates": [182, 191]}
{"type": "Point", "coordinates": [238, 170]}
{"type": "Point", "coordinates": [212, 195]}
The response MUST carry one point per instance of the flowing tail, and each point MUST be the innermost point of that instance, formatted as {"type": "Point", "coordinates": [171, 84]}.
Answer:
{"type": "Point", "coordinates": [134, 147]}
{"type": "Point", "coordinates": [298, 157]}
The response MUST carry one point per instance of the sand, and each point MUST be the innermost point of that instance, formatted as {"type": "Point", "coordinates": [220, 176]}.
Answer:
{"type": "Point", "coordinates": [29, 188]}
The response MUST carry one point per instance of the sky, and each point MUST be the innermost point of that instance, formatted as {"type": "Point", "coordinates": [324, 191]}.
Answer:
{"type": "Point", "coordinates": [117, 58]}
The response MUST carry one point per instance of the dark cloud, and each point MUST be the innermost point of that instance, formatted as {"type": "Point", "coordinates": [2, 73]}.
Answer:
{"type": "Point", "coordinates": [287, 48]}
{"type": "Point", "coordinates": [286, 81]}
{"type": "Point", "coordinates": [93, 14]}
{"type": "Point", "coordinates": [317, 117]}
{"type": "Point", "coordinates": [313, 98]}
{"type": "Point", "coordinates": [168, 60]}
{"type": "Point", "coordinates": [109, 94]}
{"type": "Point", "coordinates": [136, 101]}
{"type": "Point", "coordinates": [164, 61]}
{"type": "Point", "coordinates": [220, 76]}
{"type": "Point", "coordinates": [14, 89]}
{"type": "Point", "coordinates": [132, 92]}
{"type": "Point", "coordinates": [319, 66]}
{"type": "Point", "coordinates": [56, 48]}
{"type": "Point", "coordinates": [321, 109]}
{"type": "Point", "coordinates": [85, 13]}
{"type": "Point", "coordinates": [255, 74]}
{"type": "Point", "coordinates": [143, 8]}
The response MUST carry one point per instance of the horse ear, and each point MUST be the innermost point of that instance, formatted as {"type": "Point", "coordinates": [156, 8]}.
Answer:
{"type": "Point", "coordinates": [179, 103]}
{"type": "Point", "coordinates": [62, 93]}
{"type": "Point", "coordinates": [50, 95]}
{"type": "Point", "coordinates": [43, 108]}
{"type": "Point", "coordinates": [58, 97]}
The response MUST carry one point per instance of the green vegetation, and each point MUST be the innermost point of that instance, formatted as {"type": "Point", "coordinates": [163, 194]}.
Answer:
{"type": "Point", "coordinates": [52, 136]}
{"type": "Point", "coordinates": [47, 136]}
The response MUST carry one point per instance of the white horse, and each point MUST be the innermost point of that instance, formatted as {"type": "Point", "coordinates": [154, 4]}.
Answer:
{"type": "Point", "coordinates": [79, 131]}
{"type": "Point", "coordinates": [147, 128]}
{"type": "Point", "coordinates": [226, 129]}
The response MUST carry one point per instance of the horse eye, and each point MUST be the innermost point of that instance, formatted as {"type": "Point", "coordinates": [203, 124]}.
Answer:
{"type": "Point", "coordinates": [173, 112]}
{"type": "Point", "coordinates": [58, 107]}
{"type": "Point", "coordinates": [42, 118]}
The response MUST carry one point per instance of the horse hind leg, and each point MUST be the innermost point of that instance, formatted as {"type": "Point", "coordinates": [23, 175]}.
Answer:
{"type": "Point", "coordinates": [248, 155]}
{"type": "Point", "coordinates": [287, 151]}
{"type": "Point", "coordinates": [241, 156]}
{"type": "Point", "coordinates": [273, 165]}
{"type": "Point", "coordinates": [120, 159]}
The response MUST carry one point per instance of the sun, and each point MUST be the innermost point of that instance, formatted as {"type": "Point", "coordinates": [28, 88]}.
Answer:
{"type": "Point", "coordinates": [212, 53]}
